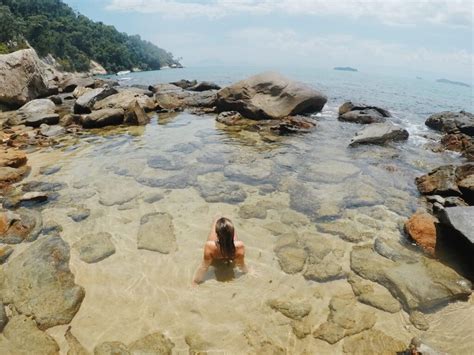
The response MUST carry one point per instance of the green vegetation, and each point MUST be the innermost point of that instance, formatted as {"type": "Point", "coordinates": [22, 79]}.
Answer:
{"type": "Point", "coordinates": [52, 27]}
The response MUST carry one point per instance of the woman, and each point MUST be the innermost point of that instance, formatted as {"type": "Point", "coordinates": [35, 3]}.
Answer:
{"type": "Point", "coordinates": [222, 245]}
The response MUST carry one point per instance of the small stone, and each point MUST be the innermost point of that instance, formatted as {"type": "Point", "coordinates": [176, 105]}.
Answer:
{"type": "Point", "coordinates": [291, 259]}
{"type": "Point", "coordinates": [301, 328]}
{"type": "Point", "coordinates": [294, 309]}
{"type": "Point", "coordinates": [93, 248]}
{"type": "Point", "coordinates": [5, 252]}
{"type": "Point", "coordinates": [3, 317]}
{"type": "Point", "coordinates": [49, 170]}
{"type": "Point", "coordinates": [111, 348]}
{"type": "Point", "coordinates": [34, 197]}
{"type": "Point", "coordinates": [419, 320]}
{"type": "Point", "coordinates": [373, 342]}
{"type": "Point", "coordinates": [155, 343]}
{"type": "Point", "coordinates": [153, 197]}
{"type": "Point", "coordinates": [79, 214]}
{"type": "Point", "coordinates": [252, 211]}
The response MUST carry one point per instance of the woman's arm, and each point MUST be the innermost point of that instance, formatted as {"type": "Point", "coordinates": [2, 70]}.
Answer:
{"type": "Point", "coordinates": [240, 260]}
{"type": "Point", "coordinates": [202, 269]}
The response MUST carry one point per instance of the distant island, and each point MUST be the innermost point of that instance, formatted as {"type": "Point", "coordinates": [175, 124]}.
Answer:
{"type": "Point", "coordinates": [75, 42]}
{"type": "Point", "coordinates": [345, 68]}
{"type": "Point", "coordinates": [446, 81]}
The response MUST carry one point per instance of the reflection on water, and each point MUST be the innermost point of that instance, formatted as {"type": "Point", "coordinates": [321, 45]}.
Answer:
{"type": "Point", "coordinates": [192, 168]}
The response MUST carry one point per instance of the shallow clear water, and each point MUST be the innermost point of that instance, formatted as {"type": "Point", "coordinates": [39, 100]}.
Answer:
{"type": "Point", "coordinates": [184, 163]}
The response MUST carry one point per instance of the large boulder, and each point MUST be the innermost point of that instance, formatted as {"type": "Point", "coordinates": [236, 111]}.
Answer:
{"type": "Point", "coordinates": [70, 82]}
{"type": "Point", "coordinates": [135, 115]}
{"type": "Point", "coordinates": [85, 102]}
{"type": "Point", "coordinates": [452, 122]}
{"type": "Point", "coordinates": [361, 113]}
{"type": "Point", "coordinates": [440, 181]}
{"type": "Point", "coordinates": [34, 113]}
{"type": "Point", "coordinates": [39, 283]}
{"type": "Point", "coordinates": [379, 133]}
{"type": "Point", "coordinates": [22, 78]}
{"type": "Point", "coordinates": [124, 98]}
{"type": "Point", "coordinates": [172, 98]}
{"type": "Point", "coordinates": [102, 118]}
{"type": "Point", "coordinates": [461, 219]}
{"type": "Point", "coordinates": [269, 96]}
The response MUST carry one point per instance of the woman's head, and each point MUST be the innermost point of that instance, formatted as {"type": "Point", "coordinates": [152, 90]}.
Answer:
{"type": "Point", "coordinates": [225, 235]}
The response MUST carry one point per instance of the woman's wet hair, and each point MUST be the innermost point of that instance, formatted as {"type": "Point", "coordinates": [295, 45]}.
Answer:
{"type": "Point", "coordinates": [225, 235]}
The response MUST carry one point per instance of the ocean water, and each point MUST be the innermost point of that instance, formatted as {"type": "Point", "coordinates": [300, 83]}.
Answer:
{"type": "Point", "coordinates": [311, 186]}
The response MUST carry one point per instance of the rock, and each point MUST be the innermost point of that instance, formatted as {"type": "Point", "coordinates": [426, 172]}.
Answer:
{"type": "Point", "coordinates": [5, 252]}
{"type": "Point", "coordinates": [183, 84]}
{"type": "Point", "coordinates": [440, 181]}
{"type": "Point", "coordinates": [22, 78]}
{"type": "Point", "coordinates": [394, 250]}
{"type": "Point", "coordinates": [213, 187]}
{"type": "Point", "coordinates": [255, 172]}
{"type": "Point", "coordinates": [291, 259]}
{"type": "Point", "coordinates": [167, 162]}
{"type": "Point", "coordinates": [79, 214]}
{"type": "Point", "coordinates": [71, 81]}
{"type": "Point", "coordinates": [75, 347]}
{"type": "Point", "coordinates": [112, 348]}
{"type": "Point", "coordinates": [452, 121]}
{"type": "Point", "coordinates": [344, 319]}
{"type": "Point", "coordinates": [12, 158]}
{"type": "Point", "coordinates": [204, 86]}
{"type": "Point", "coordinates": [253, 211]}
{"type": "Point", "coordinates": [458, 142]}
{"type": "Point", "coordinates": [233, 118]}
{"type": "Point", "coordinates": [269, 96]}
{"type": "Point", "coordinates": [11, 175]}
{"type": "Point", "coordinates": [124, 99]}
{"type": "Point", "coordinates": [42, 186]}
{"type": "Point", "coordinates": [261, 343]}
{"type": "Point", "coordinates": [21, 225]}
{"type": "Point", "coordinates": [56, 99]}
{"type": "Point", "coordinates": [172, 98]}
{"type": "Point", "coordinates": [421, 228]}
{"type": "Point", "coordinates": [155, 343]}
{"type": "Point", "coordinates": [436, 198]}
{"type": "Point", "coordinates": [418, 286]}
{"type": "Point", "coordinates": [135, 115]}
{"type": "Point", "coordinates": [466, 186]}
{"type": "Point", "coordinates": [93, 248]}
{"type": "Point", "coordinates": [109, 196]}
{"type": "Point", "coordinates": [419, 320]}
{"type": "Point", "coordinates": [454, 201]}
{"type": "Point", "coordinates": [461, 219]}
{"type": "Point", "coordinates": [156, 233]}
{"type": "Point", "coordinates": [301, 328]}
{"type": "Point", "coordinates": [294, 309]}
{"type": "Point", "coordinates": [86, 102]}
{"type": "Point", "coordinates": [349, 106]}
{"type": "Point", "coordinates": [3, 317]}
{"type": "Point", "coordinates": [197, 345]}
{"type": "Point", "coordinates": [102, 118]}
{"type": "Point", "coordinates": [372, 341]}
{"type": "Point", "coordinates": [51, 227]}
{"type": "Point", "coordinates": [373, 294]}
{"type": "Point", "coordinates": [35, 113]}
{"type": "Point", "coordinates": [21, 336]}
{"type": "Point", "coordinates": [38, 282]}
{"type": "Point", "coordinates": [379, 133]}
{"type": "Point", "coordinates": [49, 170]}
{"type": "Point", "coordinates": [153, 197]}
{"type": "Point", "coordinates": [52, 131]}
{"type": "Point", "coordinates": [329, 172]}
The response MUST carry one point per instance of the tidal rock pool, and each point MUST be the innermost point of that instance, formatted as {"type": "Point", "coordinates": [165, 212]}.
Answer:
{"type": "Point", "coordinates": [322, 223]}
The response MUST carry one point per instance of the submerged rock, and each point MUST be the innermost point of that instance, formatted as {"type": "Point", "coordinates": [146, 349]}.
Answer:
{"type": "Point", "coordinates": [269, 96]}
{"type": "Point", "coordinates": [421, 228]}
{"type": "Point", "coordinates": [345, 319]}
{"type": "Point", "coordinates": [419, 320]}
{"type": "Point", "coordinates": [155, 343]}
{"type": "Point", "coordinates": [294, 309]}
{"type": "Point", "coordinates": [93, 248]}
{"type": "Point", "coordinates": [5, 252]}
{"type": "Point", "coordinates": [379, 133]}
{"type": "Point", "coordinates": [21, 336]}
{"type": "Point", "coordinates": [111, 348]}
{"type": "Point", "coordinates": [372, 341]}
{"type": "Point", "coordinates": [418, 286]}
{"type": "Point", "coordinates": [79, 214]}
{"type": "Point", "coordinates": [213, 187]}
{"type": "Point", "coordinates": [75, 347]}
{"type": "Point", "coordinates": [38, 282]}
{"type": "Point", "coordinates": [156, 233]}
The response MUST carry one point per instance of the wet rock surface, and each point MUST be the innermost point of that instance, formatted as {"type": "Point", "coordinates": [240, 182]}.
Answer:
{"type": "Point", "coordinates": [93, 248]}
{"type": "Point", "coordinates": [361, 113]}
{"type": "Point", "coordinates": [372, 342]}
{"type": "Point", "coordinates": [18, 226]}
{"type": "Point", "coordinates": [421, 228]}
{"type": "Point", "coordinates": [38, 283]}
{"type": "Point", "coordinates": [379, 133]}
{"type": "Point", "coordinates": [294, 309]}
{"type": "Point", "coordinates": [447, 121]}
{"type": "Point", "coordinates": [156, 233]}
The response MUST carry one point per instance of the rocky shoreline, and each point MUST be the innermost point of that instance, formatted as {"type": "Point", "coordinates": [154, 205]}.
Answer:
{"type": "Point", "coordinates": [53, 109]}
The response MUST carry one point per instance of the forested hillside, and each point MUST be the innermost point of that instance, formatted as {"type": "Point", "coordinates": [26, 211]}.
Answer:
{"type": "Point", "coordinates": [52, 27]}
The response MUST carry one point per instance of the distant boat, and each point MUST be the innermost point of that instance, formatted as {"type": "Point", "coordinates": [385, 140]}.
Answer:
{"type": "Point", "coordinates": [345, 68]}
{"type": "Point", "coordinates": [446, 81]}
{"type": "Point", "coordinates": [123, 72]}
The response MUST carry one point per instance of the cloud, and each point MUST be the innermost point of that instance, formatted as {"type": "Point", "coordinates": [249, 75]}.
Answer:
{"type": "Point", "coordinates": [455, 13]}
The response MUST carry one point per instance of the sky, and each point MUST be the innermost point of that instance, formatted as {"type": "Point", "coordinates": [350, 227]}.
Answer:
{"type": "Point", "coordinates": [409, 37]}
